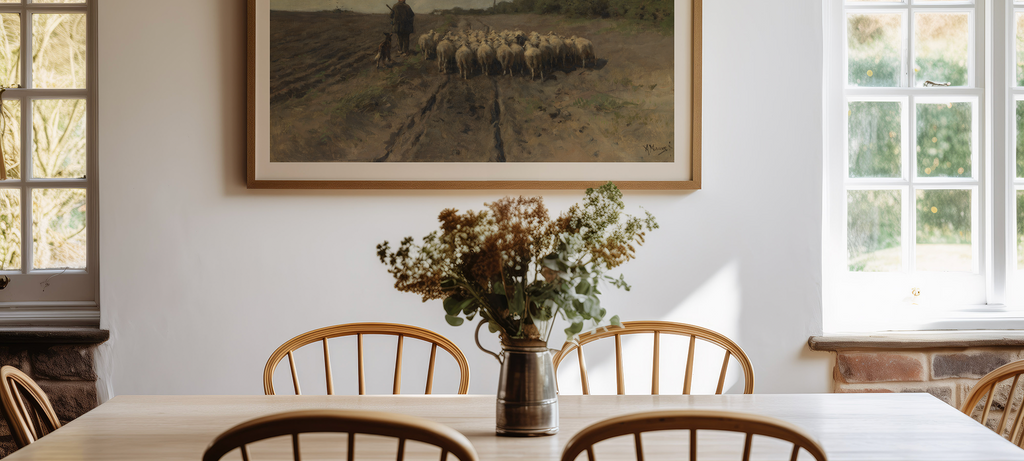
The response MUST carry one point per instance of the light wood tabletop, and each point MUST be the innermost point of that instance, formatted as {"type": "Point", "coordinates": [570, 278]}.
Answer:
{"type": "Point", "coordinates": [854, 427]}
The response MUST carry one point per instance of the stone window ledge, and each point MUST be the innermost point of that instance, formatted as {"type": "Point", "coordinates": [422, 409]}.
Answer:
{"type": "Point", "coordinates": [53, 335]}
{"type": "Point", "coordinates": [918, 340]}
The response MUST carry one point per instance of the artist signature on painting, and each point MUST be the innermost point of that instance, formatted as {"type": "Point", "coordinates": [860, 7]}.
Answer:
{"type": "Point", "coordinates": [651, 149]}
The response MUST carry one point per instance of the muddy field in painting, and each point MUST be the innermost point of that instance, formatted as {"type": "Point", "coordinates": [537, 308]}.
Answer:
{"type": "Point", "coordinates": [330, 104]}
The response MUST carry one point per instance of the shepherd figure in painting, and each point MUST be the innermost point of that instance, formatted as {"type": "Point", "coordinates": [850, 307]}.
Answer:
{"type": "Point", "coordinates": [402, 25]}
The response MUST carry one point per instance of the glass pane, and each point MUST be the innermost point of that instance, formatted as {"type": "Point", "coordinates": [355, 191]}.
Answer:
{"type": "Point", "coordinates": [10, 49]}
{"type": "Point", "coordinates": [944, 140]}
{"type": "Point", "coordinates": [941, 42]}
{"type": "Point", "coordinates": [1020, 49]}
{"type": "Point", "coordinates": [10, 229]}
{"type": "Point", "coordinates": [874, 48]}
{"type": "Point", "coordinates": [944, 230]}
{"type": "Point", "coordinates": [1020, 230]}
{"type": "Point", "coordinates": [10, 132]}
{"type": "Point", "coordinates": [58, 233]}
{"type": "Point", "coordinates": [1020, 139]}
{"type": "Point", "coordinates": [58, 50]}
{"type": "Point", "coordinates": [873, 230]}
{"type": "Point", "coordinates": [875, 138]}
{"type": "Point", "coordinates": [58, 138]}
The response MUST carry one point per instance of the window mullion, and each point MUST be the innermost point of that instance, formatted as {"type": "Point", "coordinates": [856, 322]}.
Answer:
{"type": "Point", "coordinates": [26, 152]}
{"type": "Point", "coordinates": [908, 71]}
{"type": "Point", "coordinates": [910, 201]}
{"type": "Point", "coordinates": [997, 134]}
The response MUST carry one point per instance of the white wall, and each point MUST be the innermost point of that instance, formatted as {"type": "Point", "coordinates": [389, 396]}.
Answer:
{"type": "Point", "coordinates": [201, 275]}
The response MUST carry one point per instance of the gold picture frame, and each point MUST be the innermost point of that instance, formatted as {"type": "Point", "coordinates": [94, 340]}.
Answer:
{"type": "Point", "coordinates": [683, 173]}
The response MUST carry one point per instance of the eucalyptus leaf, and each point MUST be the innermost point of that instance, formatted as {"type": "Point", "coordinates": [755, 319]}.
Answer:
{"type": "Point", "coordinates": [574, 329]}
{"type": "Point", "coordinates": [452, 305]}
{"type": "Point", "coordinates": [454, 320]}
{"type": "Point", "coordinates": [517, 306]}
{"type": "Point", "coordinates": [467, 306]}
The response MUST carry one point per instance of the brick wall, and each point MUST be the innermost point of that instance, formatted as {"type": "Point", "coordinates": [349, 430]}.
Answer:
{"type": "Point", "coordinates": [944, 364]}
{"type": "Point", "coordinates": [948, 374]}
{"type": "Point", "coordinates": [64, 371]}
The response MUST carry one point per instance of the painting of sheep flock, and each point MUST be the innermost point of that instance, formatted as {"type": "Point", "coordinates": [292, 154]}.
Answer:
{"type": "Point", "coordinates": [472, 81]}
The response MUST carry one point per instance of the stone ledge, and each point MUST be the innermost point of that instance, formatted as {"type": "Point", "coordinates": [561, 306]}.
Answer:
{"type": "Point", "coordinates": [918, 340]}
{"type": "Point", "coordinates": [52, 335]}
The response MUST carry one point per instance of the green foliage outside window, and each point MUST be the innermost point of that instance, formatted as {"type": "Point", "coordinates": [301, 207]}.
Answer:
{"type": "Point", "coordinates": [872, 225]}
{"type": "Point", "coordinates": [875, 139]}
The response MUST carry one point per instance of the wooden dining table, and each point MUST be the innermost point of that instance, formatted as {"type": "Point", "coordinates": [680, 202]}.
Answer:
{"type": "Point", "coordinates": [850, 427]}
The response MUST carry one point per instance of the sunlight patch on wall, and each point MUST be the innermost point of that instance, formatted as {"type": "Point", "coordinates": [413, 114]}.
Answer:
{"type": "Point", "coordinates": [715, 305]}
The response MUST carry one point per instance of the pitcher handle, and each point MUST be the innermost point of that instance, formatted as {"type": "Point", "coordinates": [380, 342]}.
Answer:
{"type": "Point", "coordinates": [477, 338]}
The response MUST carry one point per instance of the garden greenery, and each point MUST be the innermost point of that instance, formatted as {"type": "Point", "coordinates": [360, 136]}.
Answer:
{"type": "Point", "coordinates": [518, 269]}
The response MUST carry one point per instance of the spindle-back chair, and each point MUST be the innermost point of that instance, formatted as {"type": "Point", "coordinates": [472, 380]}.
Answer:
{"type": "Point", "coordinates": [294, 423]}
{"type": "Point", "coordinates": [692, 420]}
{"type": "Point", "coordinates": [657, 328]}
{"type": "Point", "coordinates": [27, 420]}
{"type": "Point", "coordinates": [986, 388]}
{"type": "Point", "coordinates": [359, 330]}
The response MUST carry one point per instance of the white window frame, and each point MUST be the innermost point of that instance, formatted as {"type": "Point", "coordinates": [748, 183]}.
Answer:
{"type": "Point", "coordinates": [996, 281]}
{"type": "Point", "coordinates": [54, 297]}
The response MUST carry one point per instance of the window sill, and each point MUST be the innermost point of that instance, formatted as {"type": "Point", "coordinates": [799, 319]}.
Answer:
{"type": "Point", "coordinates": [917, 340]}
{"type": "Point", "coordinates": [53, 335]}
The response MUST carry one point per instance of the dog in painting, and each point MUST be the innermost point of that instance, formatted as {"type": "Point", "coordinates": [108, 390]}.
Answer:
{"type": "Point", "coordinates": [384, 50]}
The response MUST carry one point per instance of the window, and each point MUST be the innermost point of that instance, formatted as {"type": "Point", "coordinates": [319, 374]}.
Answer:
{"type": "Point", "coordinates": [48, 136]}
{"type": "Point", "coordinates": [920, 184]}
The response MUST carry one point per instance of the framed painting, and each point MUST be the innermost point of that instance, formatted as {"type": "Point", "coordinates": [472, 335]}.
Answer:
{"type": "Point", "coordinates": [474, 94]}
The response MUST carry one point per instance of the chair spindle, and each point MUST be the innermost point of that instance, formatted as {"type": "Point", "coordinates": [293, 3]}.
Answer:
{"type": "Point", "coordinates": [351, 447]}
{"type": "Point", "coordinates": [23, 409]}
{"type": "Point", "coordinates": [689, 366]}
{"type": "Point", "coordinates": [245, 452]}
{"type": "Point", "coordinates": [583, 371]}
{"type": "Point", "coordinates": [693, 444]}
{"type": "Point", "coordinates": [430, 369]}
{"type": "Point", "coordinates": [295, 376]}
{"type": "Point", "coordinates": [1006, 411]}
{"type": "Point", "coordinates": [444, 454]}
{"type": "Point", "coordinates": [327, 367]}
{"type": "Point", "coordinates": [656, 373]}
{"type": "Point", "coordinates": [590, 453]}
{"type": "Point", "coordinates": [1016, 427]}
{"type": "Point", "coordinates": [620, 383]}
{"type": "Point", "coordinates": [796, 452]}
{"type": "Point", "coordinates": [401, 450]}
{"type": "Point", "coordinates": [721, 377]}
{"type": "Point", "coordinates": [295, 447]}
{"type": "Point", "coordinates": [362, 377]}
{"type": "Point", "coordinates": [639, 447]}
{"type": "Point", "coordinates": [988, 402]}
{"type": "Point", "coordinates": [398, 366]}
{"type": "Point", "coordinates": [746, 446]}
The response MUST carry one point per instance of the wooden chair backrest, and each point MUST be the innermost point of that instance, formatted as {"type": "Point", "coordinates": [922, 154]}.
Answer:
{"type": "Point", "coordinates": [359, 330]}
{"type": "Point", "coordinates": [402, 427]}
{"type": "Point", "coordinates": [26, 419]}
{"type": "Point", "coordinates": [692, 420]}
{"type": "Point", "coordinates": [986, 386]}
{"type": "Point", "coordinates": [658, 328]}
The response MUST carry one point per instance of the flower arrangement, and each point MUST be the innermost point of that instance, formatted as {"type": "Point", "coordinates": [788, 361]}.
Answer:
{"type": "Point", "coordinates": [518, 269]}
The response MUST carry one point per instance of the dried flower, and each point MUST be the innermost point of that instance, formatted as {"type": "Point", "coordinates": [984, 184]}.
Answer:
{"type": "Point", "coordinates": [517, 268]}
